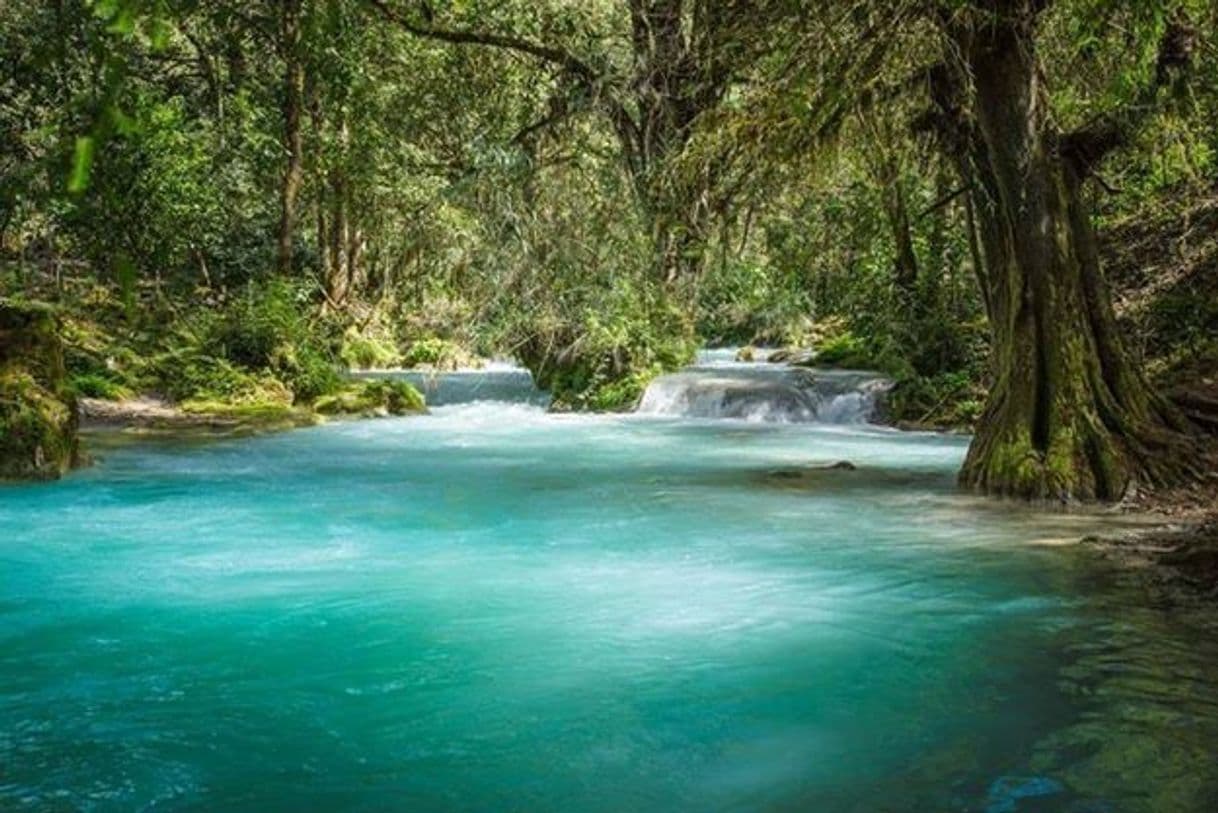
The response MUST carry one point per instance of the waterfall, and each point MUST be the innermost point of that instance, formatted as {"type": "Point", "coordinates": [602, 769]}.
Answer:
{"type": "Point", "coordinates": [764, 393]}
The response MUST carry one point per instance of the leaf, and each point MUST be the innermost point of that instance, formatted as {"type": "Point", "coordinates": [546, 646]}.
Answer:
{"type": "Point", "coordinates": [82, 164]}
{"type": "Point", "coordinates": [123, 23]}
{"type": "Point", "coordinates": [123, 124]}
{"type": "Point", "coordinates": [159, 31]}
{"type": "Point", "coordinates": [124, 269]}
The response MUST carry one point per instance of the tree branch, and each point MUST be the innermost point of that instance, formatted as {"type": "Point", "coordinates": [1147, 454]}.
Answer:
{"type": "Point", "coordinates": [945, 201]}
{"type": "Point", "coordinates": [546, 53]}
{"type": "Point", "coordinates": [1087, 147]}
{"type": "Point", "coordinates": [623, 123]}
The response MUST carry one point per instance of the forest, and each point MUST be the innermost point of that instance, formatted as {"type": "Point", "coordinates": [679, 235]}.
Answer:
{"type": "Point", "coordinates": [231, 203]}
{"type": "Point", "coordinates": [814, 258]}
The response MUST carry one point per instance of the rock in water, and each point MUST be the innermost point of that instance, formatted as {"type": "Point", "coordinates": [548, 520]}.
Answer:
{"type": "Point", "coordinates": [38, 418]}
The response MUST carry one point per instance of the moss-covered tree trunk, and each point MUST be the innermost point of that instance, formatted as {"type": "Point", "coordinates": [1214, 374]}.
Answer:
{"type": "Point", "coordinates": [1069, 417]}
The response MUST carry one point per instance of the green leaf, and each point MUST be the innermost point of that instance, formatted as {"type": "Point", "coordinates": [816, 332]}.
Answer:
{"type": "Point", "coordinates": [123, 124]}
{"type": "Point", "coordinates": [124, 269]}
{"type": "Point", "coordinates": [159, 31]}
{"type": "Point", "coordinates": [82, 165]}
{"type": "Point", "coordinates": [123, 23]}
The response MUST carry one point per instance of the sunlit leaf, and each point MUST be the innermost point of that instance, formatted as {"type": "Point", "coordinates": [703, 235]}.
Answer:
{"type": "Point", "coordinates": [82, 164]}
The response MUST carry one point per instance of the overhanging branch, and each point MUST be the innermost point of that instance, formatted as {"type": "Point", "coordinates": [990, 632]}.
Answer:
{"type": "Point", "coordinates": [546, 53]}
{"type": "Point", "coordinates": [595, 82]}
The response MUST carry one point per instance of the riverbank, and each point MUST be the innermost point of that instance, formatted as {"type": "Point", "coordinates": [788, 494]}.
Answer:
{"type": "Point", "coordinates": [1177, 554]}
{"type": "Point", "coordinates": [148, 414]}
{"type": "Point", "coordinates": [154, 415]}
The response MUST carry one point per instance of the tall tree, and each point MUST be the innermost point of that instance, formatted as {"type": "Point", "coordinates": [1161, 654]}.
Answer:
{"type": "Point", "coordinates": [1068, 415]}
{"type": "Point", "coordinates": [291, 24]}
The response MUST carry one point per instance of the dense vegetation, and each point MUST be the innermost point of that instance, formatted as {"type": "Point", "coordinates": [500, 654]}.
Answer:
{"type": "Point", "coordinates": [231, 202]}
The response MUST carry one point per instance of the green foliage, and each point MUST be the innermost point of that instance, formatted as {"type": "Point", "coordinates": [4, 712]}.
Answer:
{"type": "Point", "coordinates": [99, 385]}
{"type": "Point", "coordinates": [844, 350]}
{"type": "Point", "coordinates": [374, 397]}
{"type": "Point", "coordinates": [613, 352]}
{"type": "Point", "coordinates": [186, 374]}
{"type": "Point", "coordinates": [751, 301]}
{"type": "Point", "coordinates": [431, 352]}
{"type": "Point", "coordinates": [270, 328]}
{"type": "Point", "coordinates": [365, 351]}
{"type": "Point", "coordinates": [949, 400]}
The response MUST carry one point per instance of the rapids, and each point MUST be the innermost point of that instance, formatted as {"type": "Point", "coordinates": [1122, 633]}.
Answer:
{"type": "Point", "coordinates": [718, 387]}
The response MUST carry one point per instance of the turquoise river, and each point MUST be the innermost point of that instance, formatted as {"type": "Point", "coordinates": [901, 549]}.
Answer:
{"type": "Point", "coordinates": [492, 608]}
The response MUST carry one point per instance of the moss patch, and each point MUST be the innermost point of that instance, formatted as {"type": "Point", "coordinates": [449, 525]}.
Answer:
{"type": "Point", "coordinates": [372, 398]}
{"type": "Point", "coordinates": [37, 409]}
{"type": "Point", "coordinates": [37, 430]}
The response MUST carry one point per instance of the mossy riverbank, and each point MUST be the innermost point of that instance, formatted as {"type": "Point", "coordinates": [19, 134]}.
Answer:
{"type": "Point", "coordinates": [38, 420]}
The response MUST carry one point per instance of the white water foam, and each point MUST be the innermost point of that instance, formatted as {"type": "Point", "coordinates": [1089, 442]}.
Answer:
{"type": "Point", "coordinates": [764, 393]}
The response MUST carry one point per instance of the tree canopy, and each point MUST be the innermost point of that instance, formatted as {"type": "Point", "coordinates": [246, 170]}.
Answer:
{"type": "Point", "coordinates": [595, 187]}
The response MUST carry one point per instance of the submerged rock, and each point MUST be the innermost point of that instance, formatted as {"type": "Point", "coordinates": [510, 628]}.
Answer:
{"type": "Point", "coordinates": [38, 423]}
{"type": "Point", "coordinates": [1007, 792]}
{"type": "Point", "coordinates": [794, 356]}
{"type": "Point", "coordinates": [810, 472]}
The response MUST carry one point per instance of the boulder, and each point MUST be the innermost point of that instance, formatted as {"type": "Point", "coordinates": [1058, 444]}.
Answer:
{"type": "Point", "coordinates": [373, 398]}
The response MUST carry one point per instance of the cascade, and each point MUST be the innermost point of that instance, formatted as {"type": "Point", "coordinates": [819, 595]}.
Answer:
{"type": "Point", "coordinates": [717, 387]}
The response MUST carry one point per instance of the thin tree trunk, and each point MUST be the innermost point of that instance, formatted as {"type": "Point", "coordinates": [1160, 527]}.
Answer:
{"type": "Point", "coordinates": [293, 102]}
{"type": "Point", "coordinates": [907, 258]}
{"type": "Point", "coordinates": [338, 271]}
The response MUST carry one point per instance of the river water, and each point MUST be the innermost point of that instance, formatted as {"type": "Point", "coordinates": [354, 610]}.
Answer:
{"type": "Point", "coordinates": [494, 608]}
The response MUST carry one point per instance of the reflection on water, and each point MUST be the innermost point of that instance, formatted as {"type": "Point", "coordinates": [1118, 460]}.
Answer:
{"type": "Point", "coordinates": [494, 608]}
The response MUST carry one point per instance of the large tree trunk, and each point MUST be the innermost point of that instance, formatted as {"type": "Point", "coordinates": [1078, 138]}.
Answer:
{"type": "Point", "coordinates": [293, 102]}
{"type": "Point", "coordinates": [1068, 416]}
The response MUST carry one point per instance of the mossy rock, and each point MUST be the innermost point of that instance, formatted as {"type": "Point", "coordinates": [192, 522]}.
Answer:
{"type": "Point", "coordinates": [37, 430]}
{"type": "Point", "coordinates": [373, 398]}
{"type": "Point", "coordinates": [38, 419]}
{"type": "Point", "coordinates": [29, 341]}
{"type": "Point", "coordinates": [248, 417]}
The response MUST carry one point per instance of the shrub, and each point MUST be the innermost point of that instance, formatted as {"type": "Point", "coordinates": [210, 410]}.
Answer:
{"type": "Point", "coordinates": [844, 350]}
{"type": "Point", "coordinates": [431, 351]}
{"type": "Point", "coordinates": [364, 352]}
{"type": "Point", "coordinates": [98, 385]}
{"type": "Point", "coordinates": [950, 400]}
{"type": "Point", "coordinates": [268, 329]}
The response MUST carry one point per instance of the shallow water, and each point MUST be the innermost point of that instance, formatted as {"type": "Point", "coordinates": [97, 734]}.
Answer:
{"type": "Point", "coordinates": [491, 608]}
